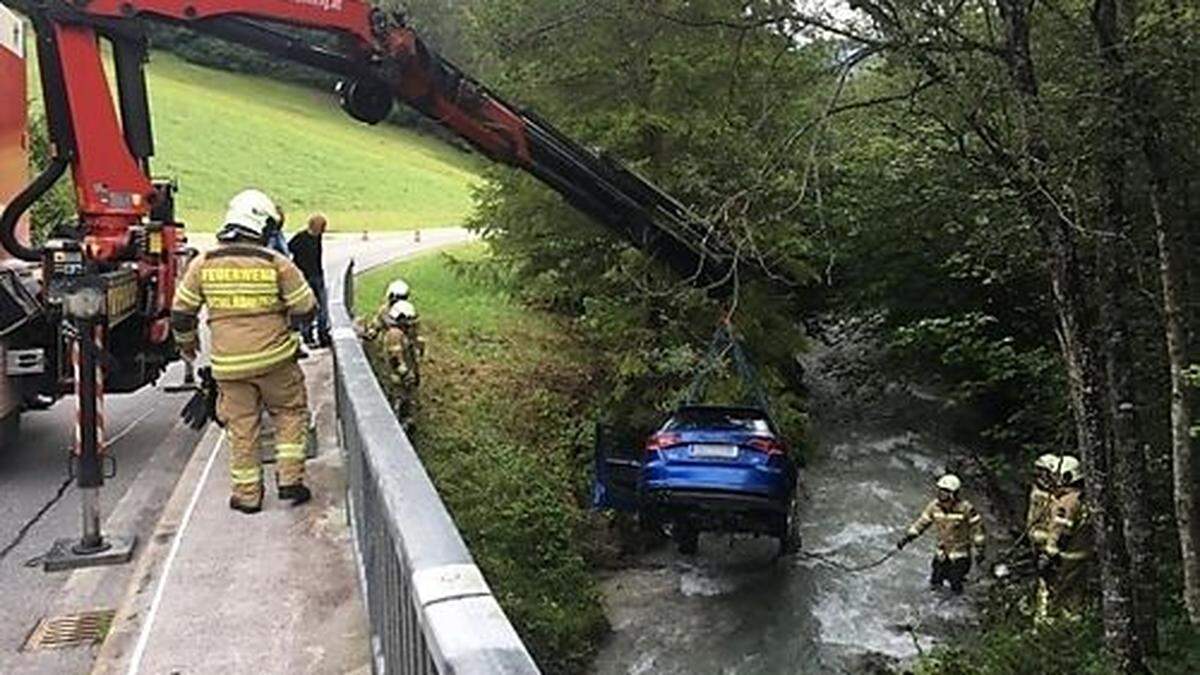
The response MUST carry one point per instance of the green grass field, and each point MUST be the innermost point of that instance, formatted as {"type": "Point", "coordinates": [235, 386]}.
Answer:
{"type": "Point", "coordinates": [440, 294]}
{"type": "Point", "coordinates": [219, 132]}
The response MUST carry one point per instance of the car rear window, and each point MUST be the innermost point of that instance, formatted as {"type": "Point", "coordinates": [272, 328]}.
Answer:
{"type": "Point", "coordinates": [731, 420]}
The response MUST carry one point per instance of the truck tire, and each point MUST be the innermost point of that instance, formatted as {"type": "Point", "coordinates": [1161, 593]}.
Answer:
{"type": "Point", "coordinates": [10, 430]}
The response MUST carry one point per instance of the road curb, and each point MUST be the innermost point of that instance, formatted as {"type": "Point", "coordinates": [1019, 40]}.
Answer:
{"type": "Point", "coordinates": [119, 645]}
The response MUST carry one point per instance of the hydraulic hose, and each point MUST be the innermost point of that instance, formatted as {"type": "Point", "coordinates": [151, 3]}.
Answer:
{"type": "Point", "coordinates": [21, 203]}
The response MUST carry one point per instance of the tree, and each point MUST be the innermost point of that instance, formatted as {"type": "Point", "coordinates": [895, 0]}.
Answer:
{"type": "Point", "coordinates": [1111, 24]}
{"type": "Point", "coordinates": [1157, 61]}
{"type": "Point", "coordinates": [694, 105]}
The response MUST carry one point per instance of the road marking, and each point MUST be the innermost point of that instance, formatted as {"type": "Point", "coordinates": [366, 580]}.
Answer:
{"type": "Point", "coordinates": [128, 429]}
{"type": "Point", "coordinates": [135, 663]}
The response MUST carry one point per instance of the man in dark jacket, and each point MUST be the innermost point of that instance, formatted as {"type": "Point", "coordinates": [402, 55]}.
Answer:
{"type": "Point", "coordinates": [306, 253]}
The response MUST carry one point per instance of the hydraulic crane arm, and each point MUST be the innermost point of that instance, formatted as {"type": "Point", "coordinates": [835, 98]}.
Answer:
{"type": "Point", "coordinates": [382, 60]}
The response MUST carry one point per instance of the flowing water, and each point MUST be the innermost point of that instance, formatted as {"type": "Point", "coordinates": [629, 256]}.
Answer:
{"type": "Point", "coordinates": [734, 609]}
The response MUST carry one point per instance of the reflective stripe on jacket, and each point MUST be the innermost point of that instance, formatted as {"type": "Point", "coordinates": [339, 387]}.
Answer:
{"type": "Point", "coordinates": [959, 526]}
{"type": "Point", "coordinates": [251, 293]}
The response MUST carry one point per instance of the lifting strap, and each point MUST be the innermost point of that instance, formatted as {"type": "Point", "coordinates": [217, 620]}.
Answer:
{"type": "Point", "coordinates": [725, 342]}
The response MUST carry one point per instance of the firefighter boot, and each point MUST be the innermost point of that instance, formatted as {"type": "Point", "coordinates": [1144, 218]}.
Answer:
{"type": "Point", "coordinates": [297, 494]}
{"type": "Point", "coordinates": [249, 509]}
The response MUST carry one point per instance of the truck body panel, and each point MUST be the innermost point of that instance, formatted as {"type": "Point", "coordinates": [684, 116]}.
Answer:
{"type": "Point", "coordinates": [14, 164]}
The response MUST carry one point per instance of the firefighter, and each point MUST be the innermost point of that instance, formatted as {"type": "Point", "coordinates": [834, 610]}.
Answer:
{"type": "Point", "coordinates": [405, 317]}
{"type": "Point", "coordinates": [254, 296]}
{"type": "Point", "coordinates": [397, 291]}
{"type": "Point", "coordinates": [1062, 562]}
{"type": "Point", "coordinates": [1041, 494]}
{"type": "Point", "coordinates": [403, 349]}
{"type": "Point", "coordinates": [959, 529]}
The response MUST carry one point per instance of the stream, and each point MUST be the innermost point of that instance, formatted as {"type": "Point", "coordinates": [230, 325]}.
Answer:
{"type": "Point", "coordinates": [733, 609]}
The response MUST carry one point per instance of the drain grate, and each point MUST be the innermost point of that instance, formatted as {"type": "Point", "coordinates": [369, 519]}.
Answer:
{"type": "Point", "coordinates": [73, 630]}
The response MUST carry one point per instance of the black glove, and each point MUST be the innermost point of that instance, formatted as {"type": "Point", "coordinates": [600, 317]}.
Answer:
{"type": "Point", "coordinates": [208, 385]}
{"type": "Point", "coordinates": [903, 542]}
{"type": "Point", "coordinates": [195, 412]}
{"type": "Point", "coordinates": [981, 556]}
{"type": "Point", "coordinates": [202, 406]}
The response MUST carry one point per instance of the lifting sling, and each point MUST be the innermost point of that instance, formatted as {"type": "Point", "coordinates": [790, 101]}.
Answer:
{"type": "Point", "coordinates": [725, 342]}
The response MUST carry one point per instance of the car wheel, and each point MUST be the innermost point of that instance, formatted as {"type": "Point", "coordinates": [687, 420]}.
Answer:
{"type": "Point", "coordinates": [789, 538]}
{"type": "Point", "coordinates": [789, 543]}
{"type": "Point", "coordinates": [650, 524]}
{"type": "Point", "coordinates": [686, 537]}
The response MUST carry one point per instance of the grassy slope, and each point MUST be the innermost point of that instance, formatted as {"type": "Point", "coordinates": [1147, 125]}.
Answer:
{"type": "Point", "coordinates": [499, 428]}
{"type": "Point", "coordinates": [219, 132]}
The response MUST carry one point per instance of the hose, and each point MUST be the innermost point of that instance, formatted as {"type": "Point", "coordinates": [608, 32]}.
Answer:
{"type": "Point", "coordinates": [824, 558]}
{"type": "Point", "coordinates": [21, 203]}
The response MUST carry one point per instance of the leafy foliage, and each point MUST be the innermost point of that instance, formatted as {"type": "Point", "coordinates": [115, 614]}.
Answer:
{"type": "Point", "coordinates": [695, 109]}
{"type": "Point", "coordinates": [897, 163]}
{"type": "Point", "coordinates": [56, 207]}
{"type": "Point", "coordinates": [1065, 647]}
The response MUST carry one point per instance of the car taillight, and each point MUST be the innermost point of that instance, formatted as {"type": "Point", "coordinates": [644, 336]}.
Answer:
{"type": "Point", "coordinates": [771, 446]}
{"type": "Point", "coordinates": [662, 441]}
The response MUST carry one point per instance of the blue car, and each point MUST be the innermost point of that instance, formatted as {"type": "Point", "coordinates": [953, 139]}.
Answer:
{"type": "Point", "coordinates": [706, 469]}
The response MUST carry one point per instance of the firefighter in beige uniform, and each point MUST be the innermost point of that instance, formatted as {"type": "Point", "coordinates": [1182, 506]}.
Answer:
{"type": "Point", "coordinates": [959, 528]}
{"type": "Point", "coordinates": [403, 349]}
{"type": "Point", "coordinates": [254, 295]}
{"type": "Point", "coordinates": [1041, 496]}
{"type": "Point", "coordinates": [1062, 577]}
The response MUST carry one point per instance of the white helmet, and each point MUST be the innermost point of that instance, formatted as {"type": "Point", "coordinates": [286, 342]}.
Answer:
{"type": "Point", "coordinates": [397, 291]}
{"type": "Point", "coordinates": [402, 312]}
{"type": "Point", "coordinates": [250, 214]}
{"type": "Point", "coordinates": [1070, 471]}
{"type": "Point", "coordinates": [949, 482]}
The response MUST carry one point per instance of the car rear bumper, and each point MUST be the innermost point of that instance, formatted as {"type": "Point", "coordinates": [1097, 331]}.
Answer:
{"type": "Point", "coordinates": [712, 500]}
{"type": "Point", "coordinates": [719, 511]}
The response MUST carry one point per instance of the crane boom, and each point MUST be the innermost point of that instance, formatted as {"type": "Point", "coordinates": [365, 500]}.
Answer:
{"type": "Point", "coordinates": [382, 60]}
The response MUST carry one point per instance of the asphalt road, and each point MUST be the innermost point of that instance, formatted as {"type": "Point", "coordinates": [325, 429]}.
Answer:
{"type": "Point", "coordinates": [37, 505]}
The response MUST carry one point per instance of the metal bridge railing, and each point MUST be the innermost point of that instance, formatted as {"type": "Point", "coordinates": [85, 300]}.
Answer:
{"type": "Point", "coordinates": [430, 609]}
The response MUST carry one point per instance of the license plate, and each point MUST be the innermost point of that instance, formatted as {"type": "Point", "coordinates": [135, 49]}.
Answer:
{"type": "Point", "coordinates": [714, 450]}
